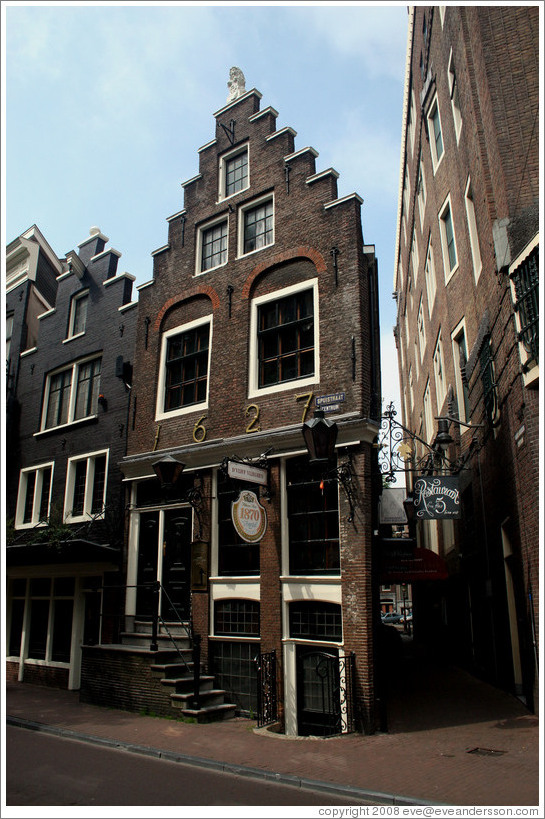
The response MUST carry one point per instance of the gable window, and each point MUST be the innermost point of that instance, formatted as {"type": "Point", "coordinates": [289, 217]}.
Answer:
{"type": "Point", "coordinates": [78, 314]}
{"type": "Point", "coordinates": [439, 371]}
{"type": "Point", "coordinates": [256, 226]}
{"type": "Point", "coordinates": [183, 380]}
{"type": "Point", "coordinates": [72, 394]}
{"type": "Point", "coordinates": [313, 520]}
{"type": "Point", "coordinates": [34, 496]}
{"type": "Point", "coordinates": [435, 134]}
{"type": "Point", "coordinates": [450, 257]}
{"type": "Point", "coordinates": [234, 173]}
{"type": "Point", "coordinates": [284, 343]}
{"type": "Point", "coordinates": [213, 246]}
{"type": "Point", "coordinates": [85, 495]}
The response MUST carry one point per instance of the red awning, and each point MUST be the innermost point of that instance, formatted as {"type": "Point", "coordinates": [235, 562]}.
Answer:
{"type": "Point", "coordinates": [422, 564]}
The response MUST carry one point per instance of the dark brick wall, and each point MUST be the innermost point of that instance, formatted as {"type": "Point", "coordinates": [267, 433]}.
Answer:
{"type": "Point", "coordinates": [123, 679]}
{"type": "Point", "coordinates": [495, 58]}
{"type": "Point", "coordinates": [305, 232]}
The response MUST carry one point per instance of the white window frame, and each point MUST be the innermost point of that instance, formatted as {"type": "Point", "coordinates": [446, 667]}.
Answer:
{"type": "Point", "coordinates": [428, 413]}
{"type": "Point", "coordinates": [39, 469]}
{"type": "Point", "coordinates": [439, 372]}
{"type": "Point", "coordinates": [431, 278]}
{"type": "Point", "coordinates": [435, 159]}
{"type": "Point", "coordinates": [421, 326]}
{"type": "Point", "coordinates": [415, 255]}
{"type": "Point", "coordinates": [76, 298]}
{"type": "Point", "coordinates": [421, 193]}
{"type": "Point", "coordinates": [243, 209]}
{"type": "Point", "coordinates": [473, 230]}
{"type": "Point", "coordinates": [253, 381]}
{"type": "Point", "coordinates": [224, 160]}
{"type": "Point", "coordinates": [455, 336]}
{"type": "Point", "coordinates": [224, 218]}
{"type": "Point", "coordinates": [447, 207]}
{"type": "Point", "coordinates": [411, 386]}
{"type": "Point", "coordinates": [9, 334]}
{"type": "Point", "coordinates": [406, 198]}
{"type": "Point", "coordinates": [412, 121]}
{"type": "Point", "coordinates": [74, 368]}
{"type": "Point", "coordinates": [160, 413]}
{"type": "Point", "coordinates": [454, 97]}
{"type": "Point", "coordinates": [90, 457]}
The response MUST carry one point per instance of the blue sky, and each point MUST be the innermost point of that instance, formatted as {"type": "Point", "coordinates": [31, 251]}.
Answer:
{"type": "Point", "coordinates": [106, 106]}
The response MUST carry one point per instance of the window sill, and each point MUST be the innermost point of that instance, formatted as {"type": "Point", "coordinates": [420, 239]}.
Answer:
{"type": "Point", "coordinates": [71, 338]}
{"type": "Point", "coordinates": [91, 419]}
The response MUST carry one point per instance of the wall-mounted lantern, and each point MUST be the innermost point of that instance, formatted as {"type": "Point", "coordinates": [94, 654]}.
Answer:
{"type": "Point", "coordinates": [168, 470]}
{"type": "Point", "coordinates": [320, 436]}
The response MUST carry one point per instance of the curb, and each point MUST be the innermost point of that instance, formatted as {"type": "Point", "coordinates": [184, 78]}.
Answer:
{"type": "Point", "coordinates": [346, 791]}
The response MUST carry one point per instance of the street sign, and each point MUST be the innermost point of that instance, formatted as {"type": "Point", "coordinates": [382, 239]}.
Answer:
{"type": "Point", "coordinates": [330, 403]}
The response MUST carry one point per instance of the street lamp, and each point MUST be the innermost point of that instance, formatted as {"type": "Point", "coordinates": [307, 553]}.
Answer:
{"type": "Point", "coordinates": [320, 436]}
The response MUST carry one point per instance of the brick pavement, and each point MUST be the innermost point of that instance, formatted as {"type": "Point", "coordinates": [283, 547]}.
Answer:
{"type": "Point", "coordinates": [442, 726]}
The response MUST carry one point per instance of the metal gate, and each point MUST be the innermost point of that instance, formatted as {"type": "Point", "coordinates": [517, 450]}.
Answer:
{"type": "Point", "coordinates": [266, 689]}
{"type": "Point", "coordinates": [325, 699]}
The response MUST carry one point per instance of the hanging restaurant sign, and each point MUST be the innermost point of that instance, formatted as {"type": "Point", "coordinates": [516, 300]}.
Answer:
{"type": "Point", "coordinates": [249, 517]}
{"type": "Point", "coordinates": [436, 498]}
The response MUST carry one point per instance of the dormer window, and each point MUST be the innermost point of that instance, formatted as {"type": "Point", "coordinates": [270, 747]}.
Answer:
{"type": "Point", "coordinates": [78, 314]}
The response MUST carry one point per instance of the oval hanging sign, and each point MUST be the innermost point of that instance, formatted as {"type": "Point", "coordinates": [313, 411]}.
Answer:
{"type": "Point", "coordinates": [249, 517]}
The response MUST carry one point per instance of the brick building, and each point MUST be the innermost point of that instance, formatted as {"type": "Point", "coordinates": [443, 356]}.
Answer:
{"type": "Point", "coordinates": [263, 300]}
{"type": "Point", "coordinates": [466, 284]}
{"type": "Point", "coordinates": [69, 387]}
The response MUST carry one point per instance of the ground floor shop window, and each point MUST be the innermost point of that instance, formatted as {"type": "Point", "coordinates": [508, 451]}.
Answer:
{"type": "Point", "coordinates": [48, 609]}
{"type": "Point", "coordinates": [235, 555]}
{"type": "Point", "coordinates": [313, 514]}
{"type": "Point", "coordinates": [234, 668]}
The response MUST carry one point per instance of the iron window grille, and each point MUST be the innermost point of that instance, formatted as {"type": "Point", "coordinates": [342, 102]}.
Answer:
{"type": "Point", "coordinates": [286, 339]}
{"type": "Point", "coordinates": [486, 361]}
{"type": "Point", "coordinates": [187, 368]}
{"type": "Point", "coordinates": [526, 281]}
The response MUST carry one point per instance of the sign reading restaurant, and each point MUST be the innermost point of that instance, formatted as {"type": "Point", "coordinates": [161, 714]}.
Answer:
{"type": "Point", "coordinates": [436, 498]}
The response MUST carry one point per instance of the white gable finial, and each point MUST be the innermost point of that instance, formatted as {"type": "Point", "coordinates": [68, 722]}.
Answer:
{"type": "Point", "coordinates": [236, 84]}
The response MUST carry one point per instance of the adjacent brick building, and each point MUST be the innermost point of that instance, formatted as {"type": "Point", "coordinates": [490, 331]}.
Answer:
{"type": "Point", "coordinates": [263, 300]}
{"type": "Point", "coordinates": [466, 284]}
{"type": "Point", "coordinates": [69, 381]}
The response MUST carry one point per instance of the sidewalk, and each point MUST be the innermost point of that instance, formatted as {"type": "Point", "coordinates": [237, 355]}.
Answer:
{"type": "Point", "coordinates": [452, 740]}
